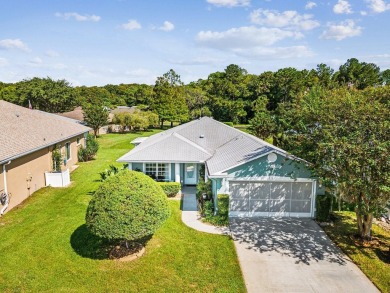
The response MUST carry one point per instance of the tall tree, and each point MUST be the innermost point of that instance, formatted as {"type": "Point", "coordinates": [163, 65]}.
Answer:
{"type": "Point", "coordinates": [95, 116]}
{"type": "Point", "coordinates": [358, 74]}
{"type": "Point", "coordinates": [197, 101]}
{"type": "Point", "coordinates": [169, 99]}
{"type": "Point", "coordinates": [262, 124]}
{"type": "Point", "coordinates": [346, 135]}
{"type": "Point", "coordinates": [46, 94]}
{"type": "Point", "coordinates": [385, 76]}
{"type": "Point", "coordinates": [325, 75]}
{"type": "Point", "coordinates": [228, 93]}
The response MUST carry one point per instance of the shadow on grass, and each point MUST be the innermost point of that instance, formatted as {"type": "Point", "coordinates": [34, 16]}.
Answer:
{"type": "Point", "coordinates": [87, 245]}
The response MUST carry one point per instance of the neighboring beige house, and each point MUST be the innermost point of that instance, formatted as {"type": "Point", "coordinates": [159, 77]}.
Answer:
{"type": "Point", "coordinates": [27, 139]}
{"type": "Point", "coordinates": [78, 114]}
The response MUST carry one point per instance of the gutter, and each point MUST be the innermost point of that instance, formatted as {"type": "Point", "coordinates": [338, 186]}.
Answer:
{"type": "Point", "coordinates": [5, 188]}
{"type": "Point", "coordinates": [40, 148]}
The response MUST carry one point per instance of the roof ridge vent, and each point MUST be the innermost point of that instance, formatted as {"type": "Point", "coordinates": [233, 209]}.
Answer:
{"type": "Point", "coordinates": [201, 136]}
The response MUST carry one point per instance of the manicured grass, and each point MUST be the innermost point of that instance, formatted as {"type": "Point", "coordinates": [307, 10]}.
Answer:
{"type": "Point", "coordinates": [242, 127]}
{"type": "Point", "coordinates": [373, 259]}
{"type": "Point", "coordinates": [45, 246]}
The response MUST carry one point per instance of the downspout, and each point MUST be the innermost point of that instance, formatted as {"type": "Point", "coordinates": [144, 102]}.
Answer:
{"type": "Point", "coordinates": [5, 188]}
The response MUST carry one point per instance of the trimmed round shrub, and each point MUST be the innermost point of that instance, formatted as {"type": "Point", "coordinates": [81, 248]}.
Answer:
{"type": "Point", "coordinates": [127, 206]}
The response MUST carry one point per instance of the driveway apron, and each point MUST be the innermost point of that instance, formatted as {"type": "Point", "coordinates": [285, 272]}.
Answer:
{"type": "Point", "coordinates": [293, 255]}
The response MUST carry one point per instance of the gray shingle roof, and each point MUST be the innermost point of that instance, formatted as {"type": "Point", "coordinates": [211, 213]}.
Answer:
{"type": "Point", "coordinates": [24, 131]}
{"type": "Point", "coordinates": [204, 140]}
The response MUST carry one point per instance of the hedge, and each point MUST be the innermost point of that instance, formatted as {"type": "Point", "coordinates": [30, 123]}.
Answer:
{"type": "Point", "coordinates": [170, 188]}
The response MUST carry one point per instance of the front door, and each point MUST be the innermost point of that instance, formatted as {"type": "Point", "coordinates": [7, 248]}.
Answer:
{"type": "Point", "coordinates": [190, 173]}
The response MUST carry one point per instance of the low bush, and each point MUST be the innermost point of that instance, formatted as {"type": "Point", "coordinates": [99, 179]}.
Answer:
{"type": "Point", "coordinates": [170, 188]}
{"type": "Point", "coordinates": [127, 207]}
{"type": "Point", "coordinates": [222, 216]}
{"type": "Point", "coordinates": [113, 170]}
{"type": "Point", "coordinates": [88, 153]}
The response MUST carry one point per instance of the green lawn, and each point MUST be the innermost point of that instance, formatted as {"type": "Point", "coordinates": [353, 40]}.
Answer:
{"type": "Point", "coordinates": [374, 259]}
{"type": "Point", "coordinates": [45, 246]}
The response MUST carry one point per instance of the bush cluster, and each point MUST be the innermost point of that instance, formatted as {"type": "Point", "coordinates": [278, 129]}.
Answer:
{"type": "Point", "coordinates": [171, 189]}
{"type": "Point", "coordinates": [128, 206]}
{"type": "Point", "coordinates": [136, 121]}
{"type": "Point", "coordinates": [222, 216]}
{"type": "Point", "coordinates": [89, 151]}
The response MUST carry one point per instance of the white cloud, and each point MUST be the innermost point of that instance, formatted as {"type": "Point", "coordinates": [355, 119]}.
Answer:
{"type": "Point", "coordinates": [229, 3]}
{"type": "Point", "coordinates": [52, 53]}
{"type": "Point", "coordinates": [378, 6]}
{"type": "Point", "coordinates": [342, 30]}
{"type": "Point", "coordinates": [310, 5]}
{"type": "Point", "coordinates": [137, 72]}
{"type": "Point", "coordinates": [3, 62]}
{"type": "Point", "coordinates": [247, 36]}
{"type": "Point", "coordinates": [9, 44]}
{"type": "Point", "coordinates": [363, 13]}
{"type": "Point", "coordinates": [36, 61]}
{"type": "Point", "coordinates": [132, 24]}
{"type": "Point", "coordinates": [78, 17]}
{"type": "Point", "coordinates": [167, 26]}
{"type": "Point", "coordinates": [204, 60]}
{"type": "Point", "coordinates": [288, 19]}
{"type": "Point", "coordinates": [342, 7]}
{"type": "Point", "coordinates": [275, 52]}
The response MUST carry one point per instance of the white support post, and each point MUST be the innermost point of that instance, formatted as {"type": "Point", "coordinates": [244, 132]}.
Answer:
{"type": "Point", "coordinates": [177, 172]}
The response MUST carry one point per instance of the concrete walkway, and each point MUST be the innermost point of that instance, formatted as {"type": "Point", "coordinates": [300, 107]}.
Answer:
{"type": "Point", "coordinates": [191, 218]}
{"type": "Point", "coordinates": [293, 255]}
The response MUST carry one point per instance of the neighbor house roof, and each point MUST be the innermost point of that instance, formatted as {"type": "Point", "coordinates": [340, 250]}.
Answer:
{"type": "Point", "coordinates": [76, 114]}
{"type": "Point", "coordinates": [24, 131]}
{"type": "Point", "coordinates": [220, 146]}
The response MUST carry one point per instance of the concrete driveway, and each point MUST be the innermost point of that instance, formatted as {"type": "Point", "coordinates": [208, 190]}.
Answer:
{"type": "Point", "coordinates": [293, 255]}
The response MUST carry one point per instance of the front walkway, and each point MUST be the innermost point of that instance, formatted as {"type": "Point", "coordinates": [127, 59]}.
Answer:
{"type": "Point", "coordinates": [191, 218]}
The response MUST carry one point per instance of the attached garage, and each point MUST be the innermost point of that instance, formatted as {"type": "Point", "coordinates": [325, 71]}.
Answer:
{"type": "Point", "coordinates": [293, 198]}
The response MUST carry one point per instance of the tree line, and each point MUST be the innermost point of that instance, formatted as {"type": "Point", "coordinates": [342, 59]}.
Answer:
{"type": "Point", "coordinates": [232, 95]}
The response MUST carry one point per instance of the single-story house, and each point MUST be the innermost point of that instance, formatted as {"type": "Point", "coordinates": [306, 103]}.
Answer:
{"type": "Point", "coordinates": [28, 138]}
{"type": "Point", "coordinates": [261, 179]}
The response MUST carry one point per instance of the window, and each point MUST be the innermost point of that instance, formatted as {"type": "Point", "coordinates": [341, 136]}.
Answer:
{"type": "Point", "coordinates": [78, 140]}
{"type": "Point", "coordinates": [67, 151]}
{"type": "Point", "coordinates": [158, 171]}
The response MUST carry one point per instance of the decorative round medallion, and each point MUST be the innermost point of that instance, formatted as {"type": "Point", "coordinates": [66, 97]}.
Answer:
{"type": "Point", "coordinates": [272, 157]}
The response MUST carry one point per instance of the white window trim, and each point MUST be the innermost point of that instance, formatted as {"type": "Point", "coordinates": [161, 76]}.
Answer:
{"type": "Point", "coordinates": [70, 151]}
{"type": "Point", "coordinates": [169, 168]}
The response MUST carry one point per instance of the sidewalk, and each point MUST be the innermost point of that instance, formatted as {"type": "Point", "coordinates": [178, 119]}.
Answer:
{"type": "Point", "coordinates": [191, 218]}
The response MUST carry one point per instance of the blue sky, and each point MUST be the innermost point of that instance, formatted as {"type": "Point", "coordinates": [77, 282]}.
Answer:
{"type": "Point", "coordinates": [134, 41]}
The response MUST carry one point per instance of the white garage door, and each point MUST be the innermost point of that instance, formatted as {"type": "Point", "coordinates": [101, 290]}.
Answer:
{"type": "Point", "coordinates": [267, 199]}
